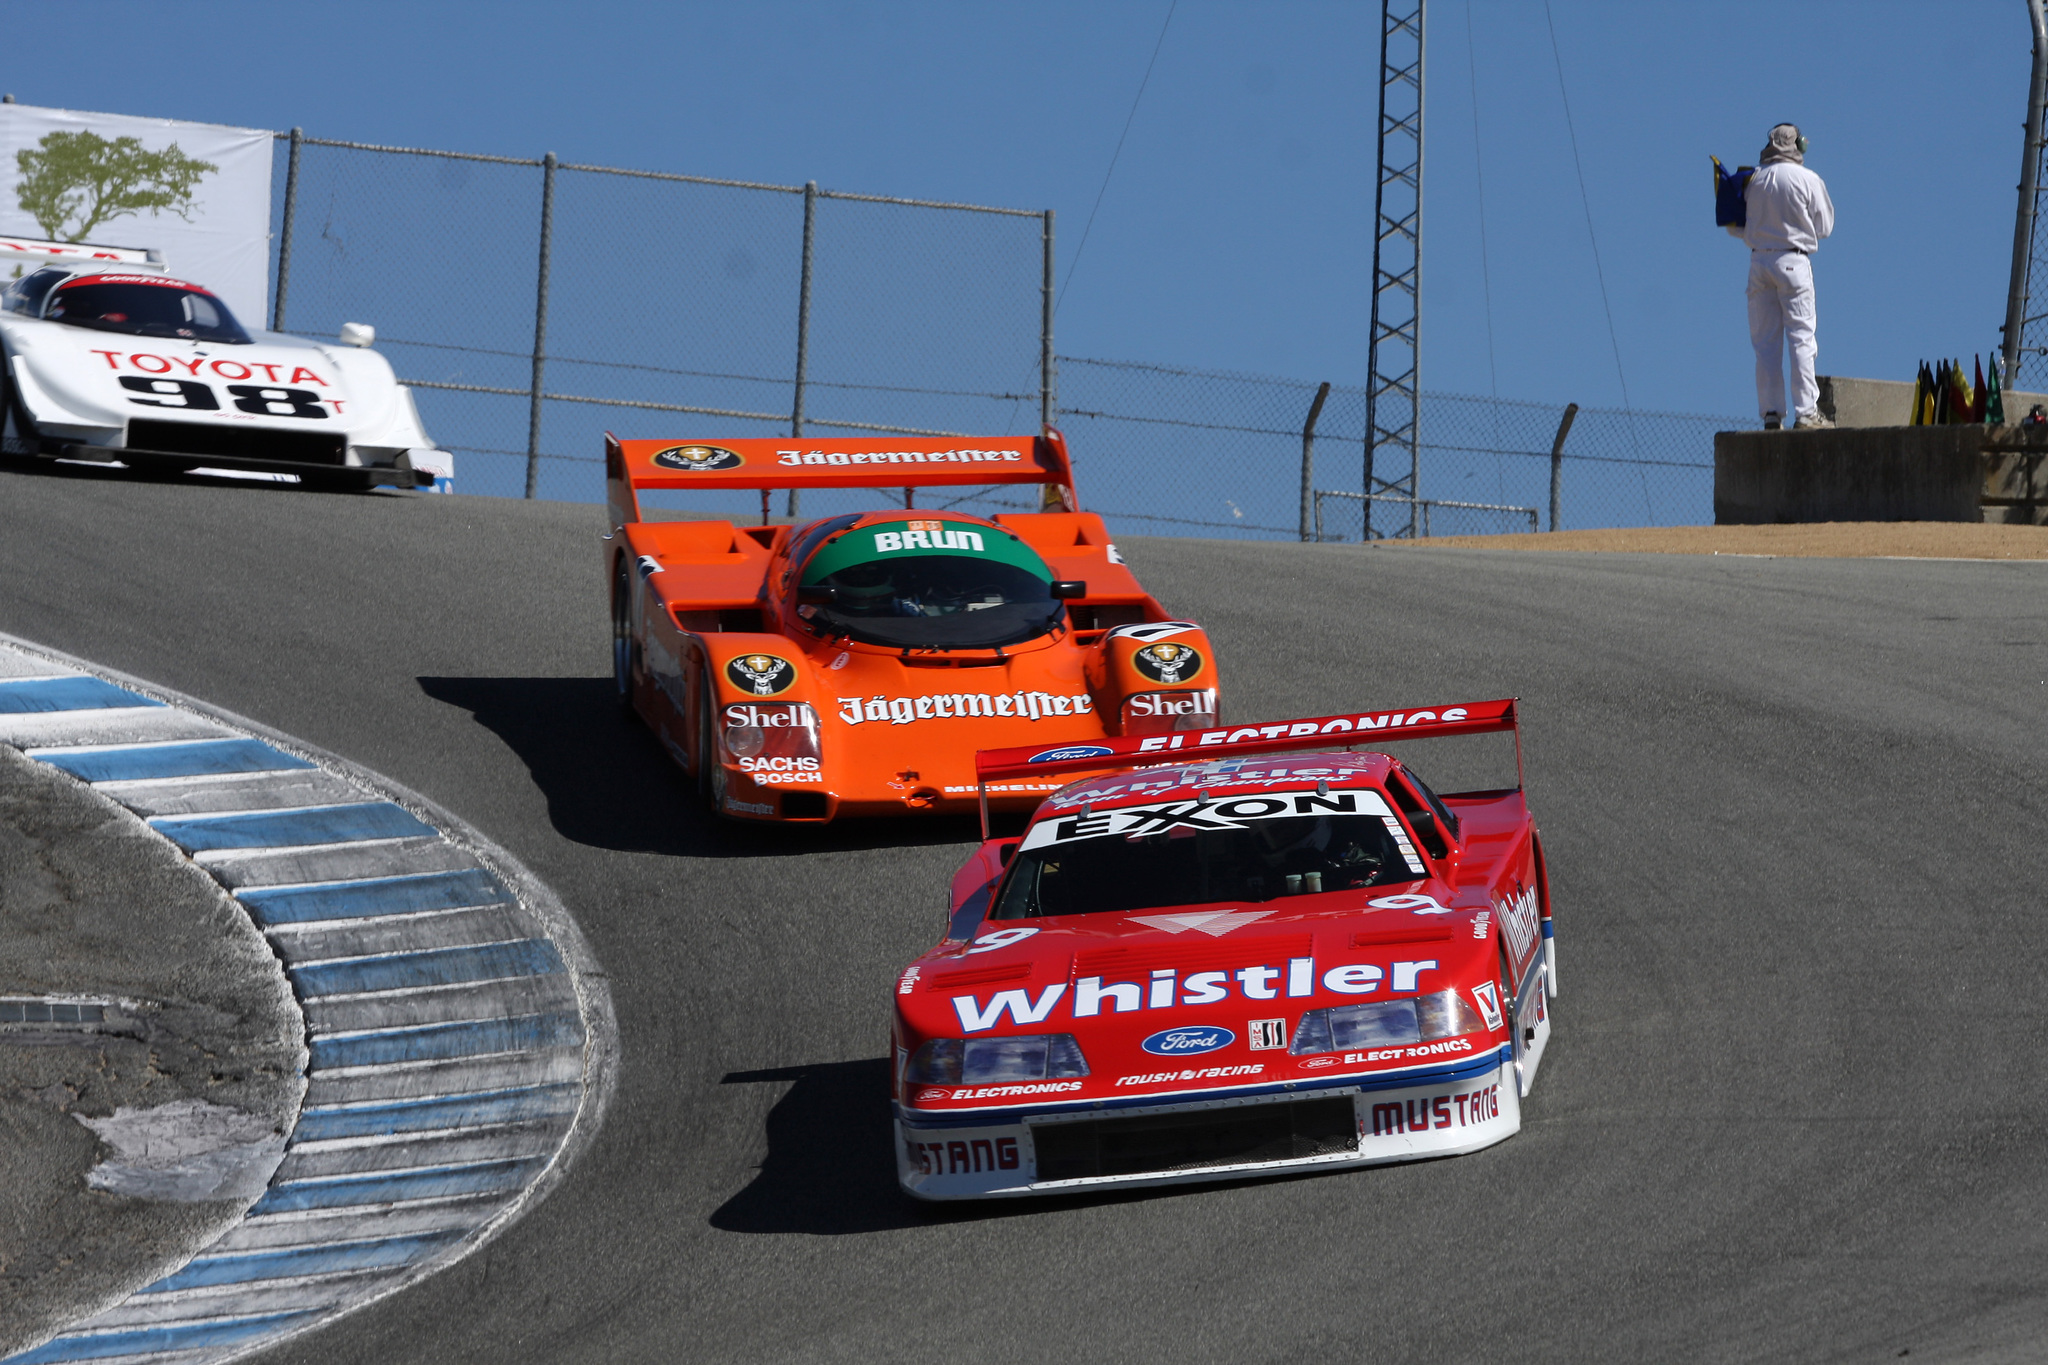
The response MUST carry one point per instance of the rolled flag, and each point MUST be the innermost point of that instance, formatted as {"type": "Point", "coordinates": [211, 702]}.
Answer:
{"type": "Point", "coordinates": [1979, 398]}
{"type": "Point", "coordinates": [1941, 394]}
{"type": "Point", "coordinates": [1959, 400]}
{"type": "Point", "coordinates": [1994, 403]}
{"type": "Point", "coordinates": [1919, 392]}
{"type": "Point", "coordinates": [1731, 207]}
{"type": "Point", "coordinates": [1924, 415]}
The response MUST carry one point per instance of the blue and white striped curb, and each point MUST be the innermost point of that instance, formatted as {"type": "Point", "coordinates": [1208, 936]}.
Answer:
{"type": "Point", "coordinates": [461, 1039]}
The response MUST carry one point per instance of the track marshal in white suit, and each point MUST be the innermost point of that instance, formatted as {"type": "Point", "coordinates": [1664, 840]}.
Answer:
{"type": "Point", "coordinates": [1789, 213]}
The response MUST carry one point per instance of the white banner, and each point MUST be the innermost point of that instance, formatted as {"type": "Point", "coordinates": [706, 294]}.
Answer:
{"type": "Point", "coordinates": [197, 192]}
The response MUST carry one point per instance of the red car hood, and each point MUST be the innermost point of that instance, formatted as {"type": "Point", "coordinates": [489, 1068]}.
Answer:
{"type": "Point", "coordinates": [1185, 997]}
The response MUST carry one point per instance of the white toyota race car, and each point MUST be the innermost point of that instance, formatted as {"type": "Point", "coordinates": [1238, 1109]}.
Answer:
{"type": "Point", "coordinates": [111, 359]}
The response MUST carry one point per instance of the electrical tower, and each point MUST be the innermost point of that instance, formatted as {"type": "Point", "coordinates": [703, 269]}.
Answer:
{"type": "Point", "coordinates": [1393, 395]}
{"type": "Point", "coordinates": [2022, 340]}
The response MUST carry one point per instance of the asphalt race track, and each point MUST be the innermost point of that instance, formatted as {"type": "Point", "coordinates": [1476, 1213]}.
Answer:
{"type": "Point", "coordinates": [1794, 814]}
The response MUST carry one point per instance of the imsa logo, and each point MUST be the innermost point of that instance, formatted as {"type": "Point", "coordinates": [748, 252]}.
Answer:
{"type": "Point", "coordinates": [698, 459]}
{"type": "Point", "coordinates": [764, 675]}
{"type": "Point", "coordinates": [1166, 662]}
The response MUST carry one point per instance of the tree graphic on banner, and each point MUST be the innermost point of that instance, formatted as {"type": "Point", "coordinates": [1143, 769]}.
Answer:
{"type": "Point", "coordinates": [83, 178]}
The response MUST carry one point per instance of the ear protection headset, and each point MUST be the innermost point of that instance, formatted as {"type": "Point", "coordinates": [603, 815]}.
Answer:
{"type": "Point", "coordinates": [1798, 138]}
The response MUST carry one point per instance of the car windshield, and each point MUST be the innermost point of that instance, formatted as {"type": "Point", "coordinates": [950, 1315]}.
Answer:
{"type": "Point", "coordinates": [930, 584]}
{"type": "Point", "coordinates": [1259, 862]}
{"type": "Point", "coordinates": [141, 306]}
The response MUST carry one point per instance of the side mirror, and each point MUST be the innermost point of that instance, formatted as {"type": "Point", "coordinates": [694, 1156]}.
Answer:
{"type": "Point", "coordinates": [1066, 588]}
{"type": "Point", "coordinates": [1426, 829]}
{"type": "Point", "coordinates": [358, 334]}
{"type": "Point", "coordinates": [817, 595]}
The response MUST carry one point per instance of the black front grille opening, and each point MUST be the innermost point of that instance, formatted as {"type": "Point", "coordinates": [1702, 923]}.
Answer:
{"type": "Point", "coordinates": [803, 805]}
{"type": "Point", "coordinates": [238, 443]}
{"type": "Point", "coordinates": [1160, 1144]}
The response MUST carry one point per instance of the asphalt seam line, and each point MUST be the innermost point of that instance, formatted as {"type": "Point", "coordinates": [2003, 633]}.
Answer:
{"type": "Point", "coordinates": [266, 1293]}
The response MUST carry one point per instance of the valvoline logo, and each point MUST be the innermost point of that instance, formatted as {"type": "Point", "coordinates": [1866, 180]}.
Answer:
{"type": "Point", "coordinates": [1187, 1042]}
{"type": "Point", "coordinates": [1071, 751]}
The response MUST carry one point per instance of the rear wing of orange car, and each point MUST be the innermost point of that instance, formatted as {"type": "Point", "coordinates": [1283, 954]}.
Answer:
{"type": "Point", "coordinates": [767, 463]}
{"type": "Point", "coordinates": [1237, 741]}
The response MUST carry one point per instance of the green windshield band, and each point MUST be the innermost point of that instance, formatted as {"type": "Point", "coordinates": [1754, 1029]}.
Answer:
{"type": "Point", "coordinates": [907, 539]}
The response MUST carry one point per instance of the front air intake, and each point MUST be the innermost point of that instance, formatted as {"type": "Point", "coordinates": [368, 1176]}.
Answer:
{"type": "Point", "coordinates": [803, 805]}
{"type": "Point", "coordinates": [1161, 1144]}
{"type": "Point", "coordinates": [239, 443]}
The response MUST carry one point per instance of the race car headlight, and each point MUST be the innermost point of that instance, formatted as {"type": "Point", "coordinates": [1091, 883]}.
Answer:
{"type": "Point", "coordinates": [986, 1061]}
{"type": "Point", "coordinates": [1385, 1023]}
{"type": "Point", "coordinates": [1156, 713]}
{"type": "Point", "coordinates": [774, 730]}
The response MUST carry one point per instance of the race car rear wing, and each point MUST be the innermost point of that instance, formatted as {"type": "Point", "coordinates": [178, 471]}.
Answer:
{"type": "Point", "coordinates": [767, 463]}
{"type": "Point", "coordinates": [29, 247]}
{"type": "Point", "coordinates": [1235, 741]}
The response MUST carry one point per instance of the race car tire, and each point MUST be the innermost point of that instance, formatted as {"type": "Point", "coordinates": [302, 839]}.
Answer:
{"type": "Point", "coordinates": [11, 406]}
{"type": "Point", "coordinates": [711, 774]}
{"type": "Point", "coordinates": [622, 634]}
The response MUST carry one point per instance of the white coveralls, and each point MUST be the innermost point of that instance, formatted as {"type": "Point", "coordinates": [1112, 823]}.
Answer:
{"type": "Point", "coordinates": [1789, 212]}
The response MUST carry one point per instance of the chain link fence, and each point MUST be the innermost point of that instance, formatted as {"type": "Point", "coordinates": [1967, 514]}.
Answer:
{"type": "Point", "coordinates": [656, 305]}
{"type": "Point", "coordinates": [1202, 452]}
{"type": "Point", "coordinates": [671, 306]}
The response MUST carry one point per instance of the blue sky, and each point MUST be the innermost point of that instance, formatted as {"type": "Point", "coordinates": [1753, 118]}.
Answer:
{"type": "Point", "coordinates": [1236, 231]}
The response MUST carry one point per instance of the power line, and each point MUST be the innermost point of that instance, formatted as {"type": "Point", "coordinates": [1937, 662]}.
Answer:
{"type": "Point", "coordinates": [1586, 202]}
{"type": "Point", "coordinates": [1089, 226]}
{"type": "Point", "coordinates": [1485, 269]}
{"type": "Point", "coordinates": [1479, 172]}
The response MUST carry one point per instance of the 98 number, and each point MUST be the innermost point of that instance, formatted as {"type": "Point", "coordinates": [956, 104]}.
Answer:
{"type": "Point", "coordinates": [259, 399]}
{"type": "Point", "coordinates": [269, 402]}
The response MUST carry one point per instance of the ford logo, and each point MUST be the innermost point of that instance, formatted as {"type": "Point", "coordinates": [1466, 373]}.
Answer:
{"type": "Point", "coordinates": [1071, 751]}
{"type": "Point", "coordinates": [1187, 1042]}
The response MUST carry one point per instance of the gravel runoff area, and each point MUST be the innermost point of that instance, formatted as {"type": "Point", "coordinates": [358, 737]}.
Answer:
{"type": "Point", "coordinates": [133, 1131]}
{"type": "Point", "coordinates": [1826, 540]}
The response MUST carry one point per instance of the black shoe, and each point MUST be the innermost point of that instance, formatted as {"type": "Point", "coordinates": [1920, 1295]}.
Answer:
{"type": "Point", "coordinates": [1773, 421]}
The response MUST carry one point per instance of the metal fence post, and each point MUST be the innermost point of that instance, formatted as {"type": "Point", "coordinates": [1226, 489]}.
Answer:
{"type": "Point", "coordinates": [1564, 429]}
{"type": "Point", "coordinates": [1308, 457]}
{"type": "Point", "coordinates": [540, 324]}
{"type": "Point", "coordinates": [284, 236]}
{"type": "Point", "coordinates": [803, 322]}
{"type": "Point", "coordinates": [2014, 330]}
{"type": "Point", "coordinates": [1048, 390]}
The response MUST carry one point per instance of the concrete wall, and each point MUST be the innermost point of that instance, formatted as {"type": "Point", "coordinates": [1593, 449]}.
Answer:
{"type": "Point", "coordinates": [1877, 474]}
{"type": "Point", "coordinates": [1888, 403]}
{"type": "Point", "coordinates": [1896, 473]}
{"type": "Point", "coordinates": [2016, 482]}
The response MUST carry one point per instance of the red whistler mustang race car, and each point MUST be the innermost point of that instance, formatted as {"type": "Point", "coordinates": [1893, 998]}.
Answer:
{"type": "Point", "coordinates": [1225, 965]}
{"type": "Point", "coordinates": [853, 665]}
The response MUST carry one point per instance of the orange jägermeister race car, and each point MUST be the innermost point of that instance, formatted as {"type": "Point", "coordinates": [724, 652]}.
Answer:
{"type": "Point", "coordinates": [852, 665]}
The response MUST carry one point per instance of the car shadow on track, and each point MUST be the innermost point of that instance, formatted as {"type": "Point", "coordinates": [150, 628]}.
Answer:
{"type": "Point", "coordinates": [830, 1168]}
{"type": "Point", "coordinates": [831, 1163]}
{"type": "Point", "coordinates": [14, 463]}
{"type": "Point", "coordinates": [609, 784]}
